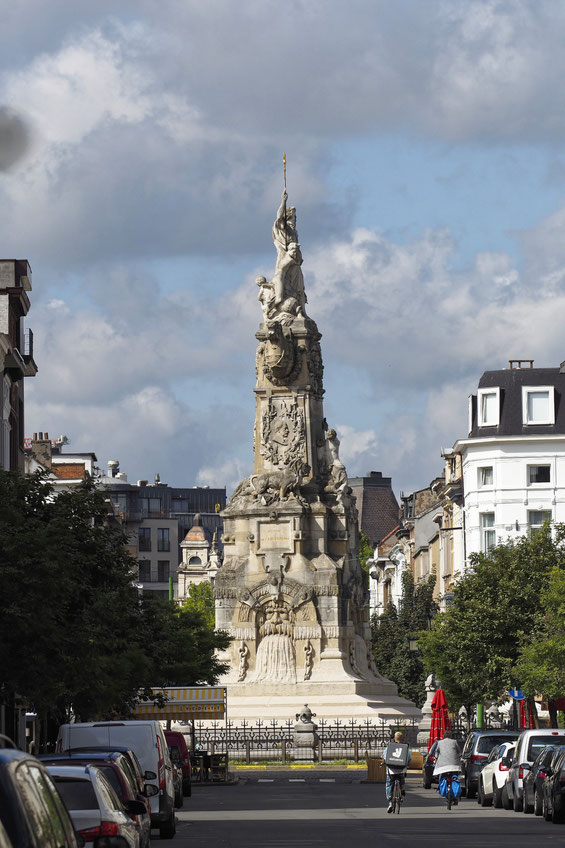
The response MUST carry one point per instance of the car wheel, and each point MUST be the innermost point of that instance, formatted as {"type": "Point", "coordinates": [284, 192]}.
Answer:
{"type": "Point", "coordinates": [484, 802]}
{"type": "Point", "coordinates": [506, 802]}
{"type": "Point", "coordinates": [517, 804]}
{"type": "Point", "coordinates": [496, 797]}
{"type": "Point", "coordinates": [528, 807]}
{"type": "Point", "coordinates": [557, 815]}
{"type": "Point", "coordinates": [480, 794]}
{"type": "Point", "coordinates": [538, 803]}
{"type": "Point", "coordinates": [545, 810]}
{"type": "Point", "coordinates": [179, 799]}
{"type": "Point", "coordinates": [471, 790]}
{"type": "Point", "coordinates": [187, 788]}
{"type": "Point", "coordinates": [426, 782]}
{"type": "Point", "coordinates": [168, 830]}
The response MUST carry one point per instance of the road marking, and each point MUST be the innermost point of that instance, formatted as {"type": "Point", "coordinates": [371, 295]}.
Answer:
{"type": "Point", "coordinates": [296, 780]}
{"type": "Point", "coordinates": [327, 780]}
{"type": "Point", "coordinates": [266, 780]}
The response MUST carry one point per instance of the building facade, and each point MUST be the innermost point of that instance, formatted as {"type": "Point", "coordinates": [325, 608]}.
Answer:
{"type": "Point", "coordinates": [507, 477]}
{"type": "Point", "coordinates": [376, 504]}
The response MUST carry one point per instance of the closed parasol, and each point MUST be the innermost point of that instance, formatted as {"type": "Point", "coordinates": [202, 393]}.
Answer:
{"type": "Point", "coordinates": [440, 718]}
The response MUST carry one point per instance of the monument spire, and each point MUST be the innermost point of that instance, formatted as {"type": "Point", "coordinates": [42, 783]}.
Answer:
{"type": "Point", "coordinates": [291, 590]}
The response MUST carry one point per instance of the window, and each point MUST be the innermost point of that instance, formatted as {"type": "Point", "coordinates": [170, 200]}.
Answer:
{"type": "Point", "coordinates": [144, 567]}
{"type": "Point", "coordinates": [195, 560]}
{"type": "Point", "coordinates": [537, 518]}
{"type": "Point", "coordinates": [538, 474]}
{"type": "Point", "coordinates": [538, 405]}
{"type": "Point", "coordinates": [179, 505]}
{"type": "Point", "coordinates": [488, 534]}
{"type": "Point", "coordinates": [150, 506]}
{"type": "Point", "coordinates": [163, 542]}
{"type": "Point", "coordinates": [489, 407]}
{"type": "Point", "coordinates": [144, 537]}
{"type": "Point", "coordinates": [163, 569]}
{"type": "Point", "coordinates": [120, 502]}
{"type": "Point", "coordinates": [486, 476]}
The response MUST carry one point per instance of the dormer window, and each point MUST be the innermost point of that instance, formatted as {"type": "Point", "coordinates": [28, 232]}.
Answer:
{"type": "Point", "coordinates": [538, 405]}
{"type": "Point", "coordinates": [489, 407]}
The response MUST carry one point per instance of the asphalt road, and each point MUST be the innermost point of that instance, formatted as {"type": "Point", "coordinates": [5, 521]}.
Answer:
{"type": "Point", "coordinates": [331, 809]}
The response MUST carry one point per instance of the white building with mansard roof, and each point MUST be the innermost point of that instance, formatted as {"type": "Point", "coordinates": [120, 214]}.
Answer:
{"type": "Point", "coordinates": [511, 465]}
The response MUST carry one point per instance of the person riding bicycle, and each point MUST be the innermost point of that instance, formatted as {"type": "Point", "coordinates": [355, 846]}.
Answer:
{"type": "Point", "coordinates": [448, 760]}
{"type": "Point", "coordinates": [397, 757]}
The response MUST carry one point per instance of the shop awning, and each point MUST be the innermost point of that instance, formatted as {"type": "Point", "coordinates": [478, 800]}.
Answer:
{"type": "Point", "coordinates": [197, 702]}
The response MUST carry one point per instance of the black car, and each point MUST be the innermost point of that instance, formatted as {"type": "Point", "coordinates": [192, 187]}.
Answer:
{"type": "Point", "coordinates": [32, 812]}
{"type": "Point", "coordinates": [534, 777]}
{"type": "Point", "coordinates": [553, 806]}
{"type": "Point", "coordinates": [428, 767]}
{"type": "Point", "coordinates": [477, 747]}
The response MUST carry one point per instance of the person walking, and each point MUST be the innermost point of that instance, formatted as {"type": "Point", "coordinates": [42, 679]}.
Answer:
{"type": "Point", "coordinates": [397, 757]}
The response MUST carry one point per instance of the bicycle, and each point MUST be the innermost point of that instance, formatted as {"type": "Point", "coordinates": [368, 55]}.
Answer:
{"type": "Point", "coordinates": [396, 793]}
{"type": "Point", "coordinates": [450, 797]}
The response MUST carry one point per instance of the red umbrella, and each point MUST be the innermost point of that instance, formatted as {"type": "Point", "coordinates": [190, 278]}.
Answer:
{"type": "Point", "coordinates": [440, 718]}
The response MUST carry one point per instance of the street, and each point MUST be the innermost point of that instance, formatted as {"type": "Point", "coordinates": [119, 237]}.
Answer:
{"type": "Point", "coordinates": [299, 810]}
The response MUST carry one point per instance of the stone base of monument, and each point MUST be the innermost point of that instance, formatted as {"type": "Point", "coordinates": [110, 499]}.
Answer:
{"type": "Point", "coordinates": [345, 700]}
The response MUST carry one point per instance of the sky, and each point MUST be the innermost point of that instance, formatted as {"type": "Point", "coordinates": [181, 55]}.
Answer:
{"type": "Point", "coordinates": [141, 168]}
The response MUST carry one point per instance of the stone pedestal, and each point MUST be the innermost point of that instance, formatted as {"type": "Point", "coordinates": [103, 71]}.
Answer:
{"type": "Point", "coordinates": [425, 725]}
{"type": "Point", "coordinates": [305, 737]}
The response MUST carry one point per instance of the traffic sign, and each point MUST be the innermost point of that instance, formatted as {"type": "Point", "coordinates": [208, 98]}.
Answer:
{"type": "Point", "coordinates": [517, 694]}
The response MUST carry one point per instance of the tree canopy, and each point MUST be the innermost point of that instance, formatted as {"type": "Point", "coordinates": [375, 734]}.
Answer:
{"type": "Point", "coordinates": [497, 608]}
{"type": "Point", "coordinates": [74, 634]}
{"type": "Point", "coordinates": [393, 630]}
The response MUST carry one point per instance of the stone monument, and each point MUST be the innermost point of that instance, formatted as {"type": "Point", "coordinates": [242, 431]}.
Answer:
{"type": "Point", "coordinates": [290, 590]}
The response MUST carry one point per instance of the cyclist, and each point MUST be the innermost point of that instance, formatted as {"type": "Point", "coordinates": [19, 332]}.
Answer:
{"type": "Point", "coordinates": [448, 760]}
{"type": "Point", "coordinates": [397, 757]}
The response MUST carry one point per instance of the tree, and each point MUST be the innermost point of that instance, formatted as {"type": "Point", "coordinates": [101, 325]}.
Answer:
{"type": "Point", "coordinates": [496, 608]}
{"type": "Point", "coordinates": [393, 631]}
{"type": "Point", "coordinates": [366, 550]}
{"type": "Point", "coordinates": [201, 599]}
{"type": "Point", "coordinates": [541, 663]}
{"type": "Point", "coordinates": [75, 637]}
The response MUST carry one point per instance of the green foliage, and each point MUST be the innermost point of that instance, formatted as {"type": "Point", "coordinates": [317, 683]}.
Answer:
{"type": "Point", "coordinates": [366, 550]}
{"type": "Point", "coordinates": [201, 599]}
{"type": "Point", "coordinates": [496, 610]}
{"type": "Point", "coordinates": [541, 663]}
{"type": "Point", "coordinates": [392, 631]}
{"type": "Point", "coordinates": [74, 635]}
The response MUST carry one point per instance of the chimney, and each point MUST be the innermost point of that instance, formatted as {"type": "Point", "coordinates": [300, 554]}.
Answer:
{"type": "Point", "coordinates": [41, 450]}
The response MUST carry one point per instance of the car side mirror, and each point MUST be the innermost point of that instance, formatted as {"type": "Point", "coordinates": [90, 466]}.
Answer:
{"type": "Point", "coordinates": [525, 766]}
{"type": "Point", "coordinates": [149, 790]}
{"type": "Point", "coordinates": [135, 808]}
{"type": "Point", "coordinates": [149, 775]}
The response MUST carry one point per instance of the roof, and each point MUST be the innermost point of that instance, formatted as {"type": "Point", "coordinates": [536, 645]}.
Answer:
{"type": "Point", "coordinates": [510, 381]}
{"type": "Point", "coordinates": [377, 505]}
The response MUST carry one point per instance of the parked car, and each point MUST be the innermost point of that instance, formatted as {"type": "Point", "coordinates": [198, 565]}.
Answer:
{"type": "Point", "coordinates": [428, 766]}
{"type": "Point", "coordinates": [32, 813]}
{"type": "Point", "coordinates": [534, 777]}
{"type": "Point", "coordinates": [95, 808]}
{"type": "Point", "coordinates": [528, 746]}
{"type": "Point", "coordinates": [553, 805]}
{"type": "Point", "coordinates": [141, 776]}
{"type": "Point", "coordinates": [477, 747]}
{"type": "Point", "coordinates": [494, 774]}
{"type": "Point", "coordinates": [147, 739]}
{"type": "Point", "coordinates": [178, 750]}
{"type": "Point", "coordinates": [117, 769]}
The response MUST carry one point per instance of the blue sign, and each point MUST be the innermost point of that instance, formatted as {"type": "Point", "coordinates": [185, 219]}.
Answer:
{"type": "Point", "coordinates": [517, 694]}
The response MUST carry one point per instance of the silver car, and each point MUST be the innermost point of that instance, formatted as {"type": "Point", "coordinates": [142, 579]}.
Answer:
{"type": "Point", "coordinates": [94, 806]}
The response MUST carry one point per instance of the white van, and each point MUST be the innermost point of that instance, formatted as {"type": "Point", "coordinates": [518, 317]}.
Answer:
{"type": "Point", "coordinates": [144, 738]}
{"type": "Point", "coordinates": [528, 746]}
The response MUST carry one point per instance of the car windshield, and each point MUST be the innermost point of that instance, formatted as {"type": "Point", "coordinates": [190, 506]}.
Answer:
{"type": "Point", "coordinates": [537, 743]}
{"type": "Point", "coordinates": [77, 794]}
{"type": "Point", "coordinates": [485, 744]}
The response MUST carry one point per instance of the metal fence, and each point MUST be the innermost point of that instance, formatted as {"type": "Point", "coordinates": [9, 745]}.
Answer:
{"type": "Point", "coordinates": [273, 741]}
